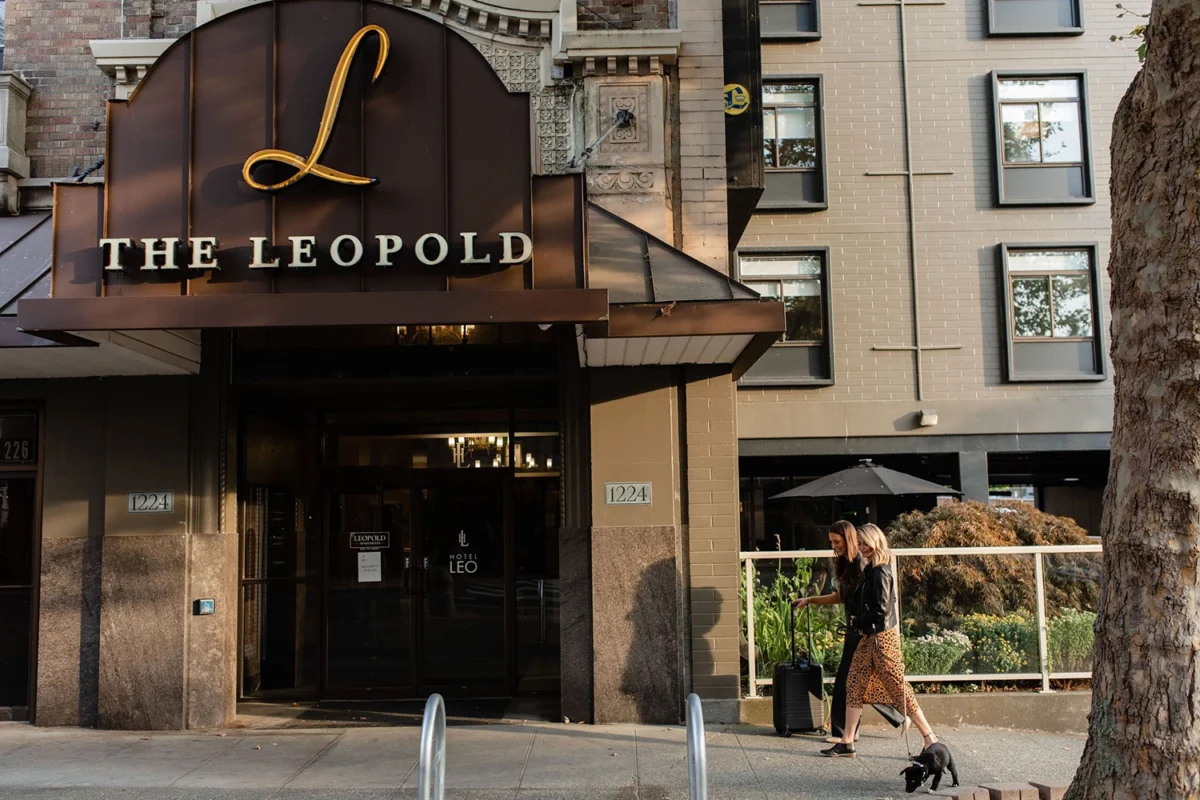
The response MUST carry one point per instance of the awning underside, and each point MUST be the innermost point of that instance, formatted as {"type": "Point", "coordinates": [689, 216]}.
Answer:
{"type": "Point", "coordinates": [667, 307]}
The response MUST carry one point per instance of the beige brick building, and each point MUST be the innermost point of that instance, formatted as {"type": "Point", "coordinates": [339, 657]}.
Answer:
{"type": "Point", "coordinates": [485, 393]}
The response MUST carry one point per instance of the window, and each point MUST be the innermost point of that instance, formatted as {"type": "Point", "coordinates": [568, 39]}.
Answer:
{"type": "Point", "coordinates": [1034, 17]}
{"type": "Point", "coordinates": [800, 281]}
{"type": "Point", "coordinates": [1042, 139]}
{"type": "Point", "coordinates": [1052, 306]}
{"type": "Point", "coordinates": [793, 144]}
{"type": "Point", "coordinates": [789, 19]}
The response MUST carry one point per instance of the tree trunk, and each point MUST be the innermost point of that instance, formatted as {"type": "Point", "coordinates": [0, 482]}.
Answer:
{"type": "Point", "coordinates": [1144, 729]}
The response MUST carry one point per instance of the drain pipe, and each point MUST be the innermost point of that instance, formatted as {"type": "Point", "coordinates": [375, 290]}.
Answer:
{"type": "Point", "coordinates": [912, 208]}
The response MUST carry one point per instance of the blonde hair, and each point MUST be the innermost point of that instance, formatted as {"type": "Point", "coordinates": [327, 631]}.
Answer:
{"type": "Point", "coordinates": [871, 535]}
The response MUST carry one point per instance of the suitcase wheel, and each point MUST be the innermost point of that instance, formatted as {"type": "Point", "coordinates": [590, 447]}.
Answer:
{"type": "Point", "coordinates": [787, 734]}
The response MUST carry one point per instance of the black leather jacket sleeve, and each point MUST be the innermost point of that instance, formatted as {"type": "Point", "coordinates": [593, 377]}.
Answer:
{"type": "Point", "coordinates": [877, 604]}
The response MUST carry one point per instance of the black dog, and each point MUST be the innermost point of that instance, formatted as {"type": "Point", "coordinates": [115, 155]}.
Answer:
{"type": "Point", "coordinates": [931, 761]}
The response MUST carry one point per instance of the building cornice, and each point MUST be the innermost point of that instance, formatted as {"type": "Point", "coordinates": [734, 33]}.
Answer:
{"type": "Point", "coordinates": [127, 60]}
{"type": "Point", "coordinates": [619, 52]}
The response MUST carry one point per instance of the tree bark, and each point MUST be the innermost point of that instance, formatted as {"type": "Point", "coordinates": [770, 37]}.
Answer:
{"type": "Point", "coordinates": [1144, 729]}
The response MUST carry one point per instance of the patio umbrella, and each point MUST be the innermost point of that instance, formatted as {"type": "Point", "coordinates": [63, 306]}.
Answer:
{"type": "Point", "coordinates": [866, 480]}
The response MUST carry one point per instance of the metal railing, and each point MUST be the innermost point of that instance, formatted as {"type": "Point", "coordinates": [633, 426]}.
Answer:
{"type": "Point", "coordinates": [696, 754]}
{"type": "Point", "coordinates": [431, 763]}
{"type": "Point", "coordinates": [1038, 553]}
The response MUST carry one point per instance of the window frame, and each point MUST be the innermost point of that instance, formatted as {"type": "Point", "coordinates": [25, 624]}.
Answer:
{"type": "Point", "coordinates": [822, 167]}
{"type": "Point", "coordinates": [807, 36]}
{"type": "Point", "coordinates": [1085, 135]}
{"type": "Point", "coordinates": [826, 311]}
{"type": "Point", "coordinates": [993, 29]}
{"type": "Point", "coordinates": [1008, 316]}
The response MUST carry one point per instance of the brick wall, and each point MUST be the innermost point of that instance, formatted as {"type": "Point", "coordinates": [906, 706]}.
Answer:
{"type": "Point", "coordinates": [704, 205]}
{"type": "Point", "coordinates": [713, 534]}
{"type": "Point", "coordinates": [599, 15]}
{"type": "Point", "coordinates": [958, 224]}
{"type": "Point", "coordinates": [47, 44]}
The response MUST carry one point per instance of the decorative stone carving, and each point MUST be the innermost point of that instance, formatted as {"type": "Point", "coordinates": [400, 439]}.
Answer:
{"type": "Point", "coordinates": [520, 71]}
{"type": "Point", "coordinates": [627, 173]}
{"type": "Point", "coordinates": [621, 181]}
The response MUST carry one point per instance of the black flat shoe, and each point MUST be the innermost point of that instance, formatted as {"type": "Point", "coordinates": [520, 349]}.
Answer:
{"type": "Point", "coordinates": [841, 750]}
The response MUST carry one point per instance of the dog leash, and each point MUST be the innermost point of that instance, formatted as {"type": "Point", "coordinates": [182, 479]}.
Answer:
{"type": "Point", "coordinates": [903, 707]}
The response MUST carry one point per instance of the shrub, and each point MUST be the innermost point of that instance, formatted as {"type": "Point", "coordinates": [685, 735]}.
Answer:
{"type": "Point", "coordinates": [935, 653]}
{"type": "Point", "coordinates": [938, 589]}
{"type": "Point", "coordinates": [1001, 643]}
{"type": "Point", "coordinates": [1069, 640]}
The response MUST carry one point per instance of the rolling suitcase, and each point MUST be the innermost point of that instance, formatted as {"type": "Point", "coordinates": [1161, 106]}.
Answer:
{"type": "Point", "coordinates": [798, 690]}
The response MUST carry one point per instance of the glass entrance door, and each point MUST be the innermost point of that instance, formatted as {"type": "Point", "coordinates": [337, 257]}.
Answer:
{"type": "Point", "coordinates": [370, 628]}
{"type": "Point", "coordinates": [17, 508]}
{"type": "Point", "coordinates": [464, 648]}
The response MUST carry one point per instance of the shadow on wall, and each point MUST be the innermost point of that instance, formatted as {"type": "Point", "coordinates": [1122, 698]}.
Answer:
{"type": "Point", "coordinates": [653, 681]}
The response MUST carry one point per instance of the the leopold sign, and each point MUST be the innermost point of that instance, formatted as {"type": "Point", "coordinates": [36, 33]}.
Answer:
{"type": "Point", "coordinates": [346, 250]}
{"type": "Point", "coordinates": [314, 148]}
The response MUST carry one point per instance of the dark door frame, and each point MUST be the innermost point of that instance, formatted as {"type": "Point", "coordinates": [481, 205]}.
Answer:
{"type": "Point", "coordinates": [36, 472]}
{"type": "Point", "coordinates": [336, 480]}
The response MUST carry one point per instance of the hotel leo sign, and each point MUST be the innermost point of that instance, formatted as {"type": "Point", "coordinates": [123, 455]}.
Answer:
{"type": "Point", "coordinates": [346, 250]}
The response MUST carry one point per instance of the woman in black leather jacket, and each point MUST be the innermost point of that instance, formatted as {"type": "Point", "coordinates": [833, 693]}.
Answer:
{"type": "Point", "coordinates": [877, 670]}
{"type": "Point", "coordinates": [843, 539]}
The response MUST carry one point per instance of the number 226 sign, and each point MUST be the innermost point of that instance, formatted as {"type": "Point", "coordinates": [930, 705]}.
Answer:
{"type": "Point", "coordinates": [627, 494]}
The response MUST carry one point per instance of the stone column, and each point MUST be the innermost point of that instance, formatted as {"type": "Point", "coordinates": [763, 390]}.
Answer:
{"type": "Point", "coordinates": [143, 576]}
{"type": "Point", "coordinates": [637, 569]}
{"type": "Point", "coordinates": [73, 470]}
{"type": "Point", "coordinates": [713, 536]}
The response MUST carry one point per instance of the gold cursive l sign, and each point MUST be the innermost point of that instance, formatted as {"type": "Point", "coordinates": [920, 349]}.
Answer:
{"type": "Point", "coordinates": [309, 166]}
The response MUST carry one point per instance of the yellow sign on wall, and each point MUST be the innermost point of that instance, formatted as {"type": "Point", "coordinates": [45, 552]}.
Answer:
{"type": "Point", "coordinates": [737, 99]}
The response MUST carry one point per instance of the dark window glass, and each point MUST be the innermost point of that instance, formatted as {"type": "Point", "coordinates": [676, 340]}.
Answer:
{"type": "Point", "coordinates": [1041, 121]}
{"type": "Point", "coordinates": [1051, 293]}
{"type": "Point", "coordinates": [1043, 153]}
{"type": "Point", "coordinates": [790, 125]}
{"type": "Point", "coordinates": [17, 496]}
{"type": "Point", "coordinates": [792, 144]}
{"type": "Point", "coordinates": [781, 19]}
{"type": "Point", "coordinates": [799, 282]}
{"type": "Point", "coordinates": [16, 531]}
{"type": "Point", "coordinates": [1034, 16]}
{"type": "Point", "coordinates": [1053, 332]}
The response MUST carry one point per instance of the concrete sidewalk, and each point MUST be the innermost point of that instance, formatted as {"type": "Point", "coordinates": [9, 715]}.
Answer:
{"type": "Point", "coordinates": [526, 762]}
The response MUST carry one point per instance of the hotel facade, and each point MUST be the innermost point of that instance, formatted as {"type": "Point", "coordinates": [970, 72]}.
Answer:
{"type": "Point", "coordinates": [352, 350]}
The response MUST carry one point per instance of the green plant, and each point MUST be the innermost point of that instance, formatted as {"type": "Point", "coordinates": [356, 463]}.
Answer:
{"type": "Point", "coordinates": [773, 595]}
{"type": "Point", "coordinates": [1069, 640]}
{"type": "Point", "coordinates": [935, 653]}
{"type": "Point", "coordinates": [1001, 644]}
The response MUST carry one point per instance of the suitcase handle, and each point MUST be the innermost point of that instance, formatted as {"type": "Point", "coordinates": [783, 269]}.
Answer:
{"type": "Point", "coordinates": [792, 626]}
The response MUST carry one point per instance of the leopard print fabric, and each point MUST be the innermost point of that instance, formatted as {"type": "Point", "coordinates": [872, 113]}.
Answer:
{"type": "Point", "coordinates": [877, 673]}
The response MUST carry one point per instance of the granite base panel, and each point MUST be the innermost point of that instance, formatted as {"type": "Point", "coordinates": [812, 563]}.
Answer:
{"type": "Point", "coordinates": [212, 638]}
{"type": "Point", "coordinates": [68, 660]}
{"type": "Point", "coordinates": [142, 619]}
{"type": "Point", "coordinates": [636, 625]}
{"type": "Point", "coordinates": [575, 623]}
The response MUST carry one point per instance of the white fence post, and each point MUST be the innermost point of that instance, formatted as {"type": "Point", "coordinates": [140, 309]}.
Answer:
{"type": "Point", "coordinates": [751, 654]}
{"type": "Point", "coordinates": [1043, 655]}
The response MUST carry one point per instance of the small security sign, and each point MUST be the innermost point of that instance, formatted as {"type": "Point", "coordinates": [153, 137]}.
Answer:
{"type": "Point", "coordinates": [737, 99]}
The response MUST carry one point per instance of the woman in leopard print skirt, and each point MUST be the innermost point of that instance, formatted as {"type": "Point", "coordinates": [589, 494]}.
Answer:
{"type": "Point", "coordinates": [877, 670]}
